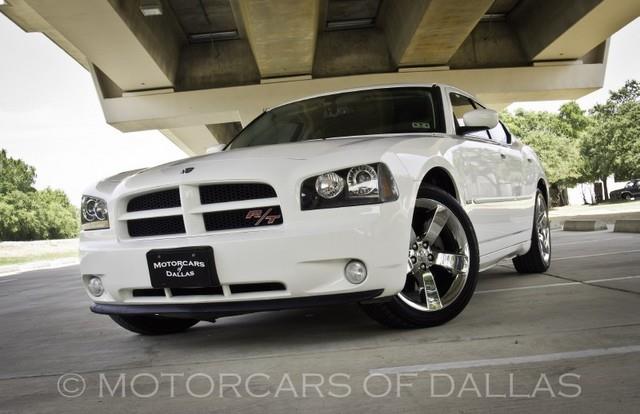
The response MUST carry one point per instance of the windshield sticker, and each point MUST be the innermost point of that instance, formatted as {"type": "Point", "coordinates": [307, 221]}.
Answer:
{"type": "Point", "coordinates": [421, 125]}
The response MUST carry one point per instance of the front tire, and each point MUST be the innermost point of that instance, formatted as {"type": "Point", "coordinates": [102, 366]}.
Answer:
{"type": "Point", "coordinates": [152, 324]}
{"type": "Point", "coordinates": [442, 267]}
{"type": "Point", "coordinates": [538, 258]}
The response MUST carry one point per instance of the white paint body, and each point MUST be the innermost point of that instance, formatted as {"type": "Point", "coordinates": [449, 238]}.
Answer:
{"type": "Point", "coordinates": [495, 183]}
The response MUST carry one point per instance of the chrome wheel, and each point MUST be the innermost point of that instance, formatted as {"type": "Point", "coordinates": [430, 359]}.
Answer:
{"type": "Point", "coordinates": [438, 263]}
{"type": "Point", "coordinates": [543, 228]}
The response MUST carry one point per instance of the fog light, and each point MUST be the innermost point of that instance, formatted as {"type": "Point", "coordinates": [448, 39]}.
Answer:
{"type": "Point", "coordinates": [95, 287]}
{"type": "Point", "coordinates": [355, 271]}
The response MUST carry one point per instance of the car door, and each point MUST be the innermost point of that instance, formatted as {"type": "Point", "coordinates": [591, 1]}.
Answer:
{"type": "Point", "coordinates": [491, 172]}
{"type": "Point", "coordinates": [518, 187]}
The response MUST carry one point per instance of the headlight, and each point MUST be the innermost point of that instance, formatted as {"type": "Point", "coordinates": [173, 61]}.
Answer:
{"type": "Point", "coordinates": [93, 213]}
{"type": "Point", "coordinates": [363, 184]}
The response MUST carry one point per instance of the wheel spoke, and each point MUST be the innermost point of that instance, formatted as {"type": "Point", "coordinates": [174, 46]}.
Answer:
{"type": "Point", "coordinates": [441, 242]}
{"type": "Point", "coordinates": [429, 291]}
{"type": "Point", "coordinates": [455, 263]}
{"type": "Point", "coordinates": [434, 226]}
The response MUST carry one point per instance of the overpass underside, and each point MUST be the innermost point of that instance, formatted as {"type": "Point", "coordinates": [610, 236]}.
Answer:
{"type": "Point", "coordinates": [197, 70]}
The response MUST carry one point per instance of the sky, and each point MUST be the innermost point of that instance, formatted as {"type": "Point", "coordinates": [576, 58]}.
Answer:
{"type": "Point", "coordinates": [51, 118]}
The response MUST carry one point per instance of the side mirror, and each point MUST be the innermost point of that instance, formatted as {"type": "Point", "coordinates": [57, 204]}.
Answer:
{"type": "Point", "coordinates": [480, 119]}
{"type": "Point", "coordinates": [215, 148]}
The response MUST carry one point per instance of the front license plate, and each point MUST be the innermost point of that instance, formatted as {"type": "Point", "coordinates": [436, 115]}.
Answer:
{"type": "Point", "coordinates": [182, 267]}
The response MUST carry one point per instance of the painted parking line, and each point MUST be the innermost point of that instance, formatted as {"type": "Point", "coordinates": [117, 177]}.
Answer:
{"type": "Point", "coordinates": [555, 259]}
{"type": "Point", "coordinates": [590, 241]}
{"type": "Point", "coordinates": [552, 285]}
{"type": "Point", "coordinates": [496, 362]}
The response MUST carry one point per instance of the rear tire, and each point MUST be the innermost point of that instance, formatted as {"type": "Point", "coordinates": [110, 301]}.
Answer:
{"type": "Point", "coordinates": [538, 258]}
{"type": "Point", "coordinates": [457, 238]}
{"type": "Point", "coordinates": [152, 324]}
{"type": "Point", "coordinates": [626, 196]}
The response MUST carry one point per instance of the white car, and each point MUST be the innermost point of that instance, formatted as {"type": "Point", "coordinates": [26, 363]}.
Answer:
{"type": "Point", "coordinates": [394, 197]}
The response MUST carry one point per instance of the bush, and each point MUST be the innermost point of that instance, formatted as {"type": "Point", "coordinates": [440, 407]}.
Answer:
{"type": "Point", "coordinates": [37, 215]}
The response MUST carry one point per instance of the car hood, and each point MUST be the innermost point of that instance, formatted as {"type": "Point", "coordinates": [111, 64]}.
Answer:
{"type": "Point", "coordinates": [260, 163]}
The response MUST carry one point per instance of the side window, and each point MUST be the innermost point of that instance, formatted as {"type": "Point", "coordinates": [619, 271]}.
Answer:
{"type": "Point", "coordinates": [500, 134]}
{"type": "Point", "coordinates": [460, 105]}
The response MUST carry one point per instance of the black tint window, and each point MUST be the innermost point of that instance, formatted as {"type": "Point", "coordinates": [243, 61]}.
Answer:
{"type": "Point", "coordinates": [378, 111]}
{"type": "Point", "coordinates": [461, 105]}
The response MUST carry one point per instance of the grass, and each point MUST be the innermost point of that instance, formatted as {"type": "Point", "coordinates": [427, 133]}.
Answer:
{"type": "Point", "coordinates": [37, 257]}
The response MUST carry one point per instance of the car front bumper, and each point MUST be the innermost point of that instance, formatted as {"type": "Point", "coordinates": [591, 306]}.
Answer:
{"type": "Point", "coordinates": [307, 255]}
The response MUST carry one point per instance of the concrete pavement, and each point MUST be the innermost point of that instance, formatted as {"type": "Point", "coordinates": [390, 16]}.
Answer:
{"type": "Point", "coordinates": [564, 341]}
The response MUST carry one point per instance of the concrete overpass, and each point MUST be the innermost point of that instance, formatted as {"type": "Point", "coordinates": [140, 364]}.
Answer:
{"type": "Point", "coordinates": [197, 70]}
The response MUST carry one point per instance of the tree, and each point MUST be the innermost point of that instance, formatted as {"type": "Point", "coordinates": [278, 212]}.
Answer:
{"type": "Point", "coordinates": [27, 214]}
{"type": "Point", "coordinates": [15, 174]}
{"type": "Point", "coordinates": [611, 144]}
{"type": "Point", "coordinates": [555, 138]}
{"type": "Point", "coordinates": [572, 120]}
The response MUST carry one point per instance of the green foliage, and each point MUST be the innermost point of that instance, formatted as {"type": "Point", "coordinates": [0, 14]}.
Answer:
{"type": "Point", "coordinates": [555, 138]}
{"type": "Point", "coordinates": [611, 144]}
{"type": "Point", "coordinates": [27, 214]}
{"type": "Point", "coordinates": [15, 174]}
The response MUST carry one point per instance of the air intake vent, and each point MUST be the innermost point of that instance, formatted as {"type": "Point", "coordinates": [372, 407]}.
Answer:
{"type": "Point", "coordinates": [257, 287]}
{"type": "Point", "coordinates": [222, 193]}
{"type": "Point", "coordinates": [156, 226]}
{"type": "Point", "coordinates": [155, 201]}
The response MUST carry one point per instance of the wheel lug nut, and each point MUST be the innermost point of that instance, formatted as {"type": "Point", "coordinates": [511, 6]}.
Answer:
{"type": "Point", "coordinates": [423, 266]}
{"type": "Point", "coordinates": [413, 259]}
{"type": "Point", "coordinates": [425, 245]}
{"type": "Point", "coordinates": [414, 246]}
{"type": "Point", "coordinates": [430, 257]}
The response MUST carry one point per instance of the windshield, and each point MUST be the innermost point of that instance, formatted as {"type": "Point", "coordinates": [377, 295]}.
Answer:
{"type": "Point", "coordinates": [367, 112]}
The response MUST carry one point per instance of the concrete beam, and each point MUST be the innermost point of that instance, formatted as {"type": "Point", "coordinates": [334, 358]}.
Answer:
{"type": "Point", "coordinates": [568, 29]}
{"type": "Point", "coordinates": [490, 44]}
{"type": "Point", "coordinates": [282, 34]}
{"type": "Point", "coordinates": [135, 54]}
{"type": "Point", "coordinates": [243, 103]}
{"type": "Point", "coordinates": [216, 64]}
{"type": "Point", "coordinates": [30, 21]}
{"type": "Point", "coordinates": [224, 133]}
{"type": "Point", "coordinates": [428, 32]}
{"type": "Point", "coordinates": [193, 140]}
{"type": "Point", "coordinates": [344, 52]}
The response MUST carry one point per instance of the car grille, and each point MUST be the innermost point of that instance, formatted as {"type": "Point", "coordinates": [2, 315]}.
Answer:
{"type": "Point", "coordinates": [222, 193]}
{"type": "Point", "coordinates": [155, 201]}
{"type": "Point", "coordinates": [156, 226]}
{"type": "Point", "coordinates": [237, 219]}
{"type": "Point", "coordinates": [210, 195]}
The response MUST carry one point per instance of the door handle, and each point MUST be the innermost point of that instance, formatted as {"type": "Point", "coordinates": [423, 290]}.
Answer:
{"type": "Point", "coordinates": [530, 159]}
{"type": "Point", "coordinates": [503, 156]}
